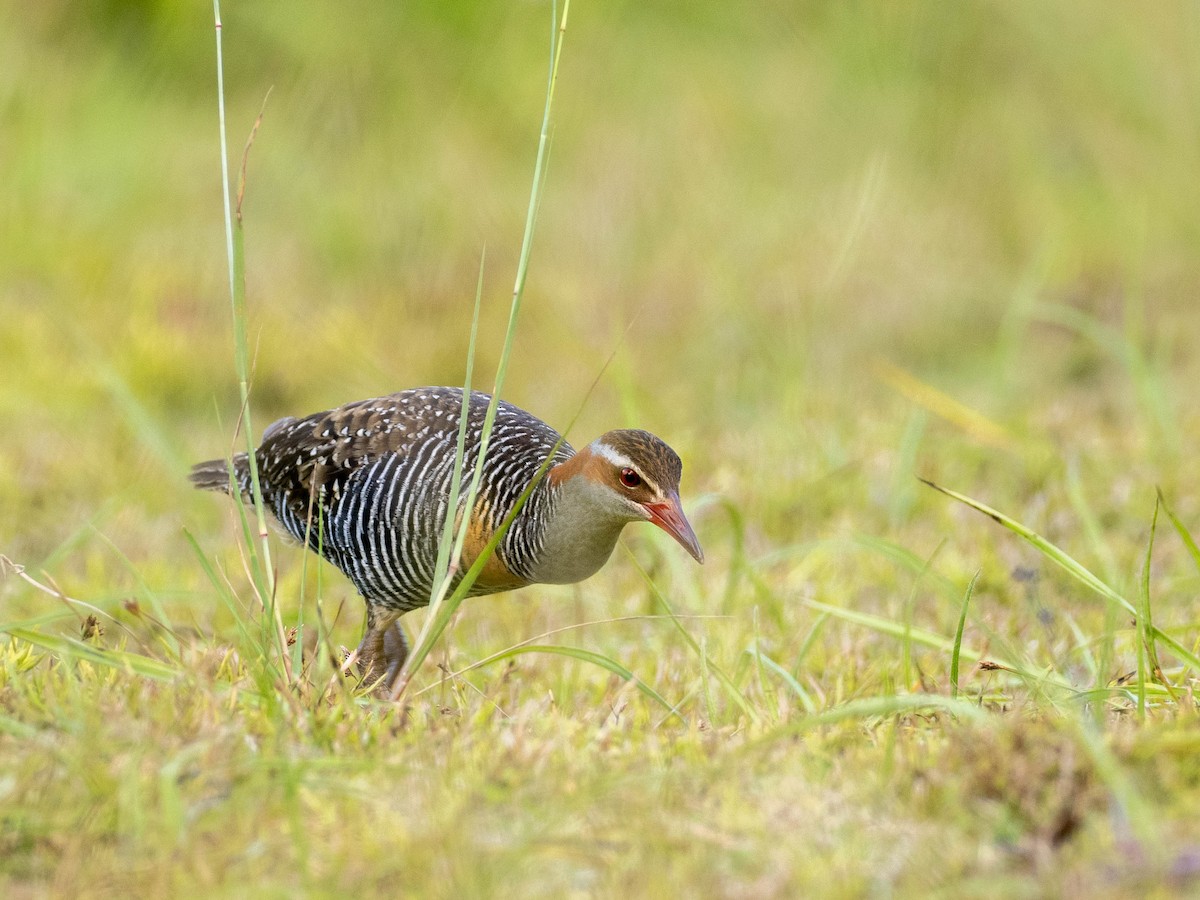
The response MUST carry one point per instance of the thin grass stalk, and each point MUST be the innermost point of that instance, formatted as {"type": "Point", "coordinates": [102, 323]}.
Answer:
{"type": "Point", "coordinates": [295, 659]}
{"type": "Point", "coordinates": [1186, 536]}
{"type": "Point", "coordinates": [956, 652]}
{"type": "Point", "coordinates": [270, 627]}
{"type": "Point", "coordinates": [437, 621]}
{"type": "Point", "coordinates": [1188, 541]}
{"type": "Point", "coordinates": [235, 253]}
{"type": "Point", "coordinates": [809, 642]}
{"type": "Point", "coordinates": [450, 606]}
{"type": "Point", "coordinates": [450, 545]}
{"type": "Point", "coordinates": [1147, 652]}
{"type": "Point", "coordinates": [765, 662]}
{"type": "Point", "coordinates": [260, 568]}
{"type": "Point", "coordinates": [421, 650]}
{"type": "Point", "coordinates": [557, 33]}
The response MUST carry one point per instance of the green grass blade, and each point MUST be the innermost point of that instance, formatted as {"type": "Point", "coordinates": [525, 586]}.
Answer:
{"type": "Point", "coordinates": [787, 678]}
{"type": "Point", "coordinates": [956, 651]}
{"type": "Point", "coordinates": [1186, 536]}
{"type": "Point", "coordinates": [437, 623]}
{"type": "Point", "coordinates": [122, 660]}
{"type": "Point", "coordinates": [442, 566]}
{"type": "Point", "coordinates": [809, 641]}
{"type": "Point", "coordinates": [755, 655]}
{"type": "Point", "coordinates": [222, 590]}
{"type": "Point", "coordinates": [1145, 641]}
{"type": "Point", "coordinates": [1073, 567]}
{"type": "Point", "coordinates": [450, 545]}
{"type": "Point", "coordinates": [596, 659]}
{"type": "Point", "coordinates": [262, 572]}
{"type": "Point", "coordinates": [1147, 634]}
{"type": "Point", "coordinates": [439, 617]}
{"type": "Point", "coordinates": [17, 729]}
{"type": "Point", "coordinates": [1043, 546]}
{"type": "Point", "coordinates": [891, 628]}
{"type": "Point", "coordinates": [1184, 654]}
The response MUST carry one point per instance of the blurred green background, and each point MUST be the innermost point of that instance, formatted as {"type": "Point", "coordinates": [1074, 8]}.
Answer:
{"type": "Point", "coordinates": [750, 205]}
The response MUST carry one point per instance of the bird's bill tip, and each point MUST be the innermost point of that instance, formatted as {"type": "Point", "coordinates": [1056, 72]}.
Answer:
{"type": "Point", "coordinates": [668, 515]}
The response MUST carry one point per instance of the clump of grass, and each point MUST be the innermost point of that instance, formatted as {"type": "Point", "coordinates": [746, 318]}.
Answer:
{"type": "Point", "coordinates": [1150, 633]}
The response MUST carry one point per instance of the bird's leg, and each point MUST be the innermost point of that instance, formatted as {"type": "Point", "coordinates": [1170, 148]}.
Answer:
{"type": "Point", "coordinates": [383, 649]}
{"type": "Point", "coordinates": [395, 652]}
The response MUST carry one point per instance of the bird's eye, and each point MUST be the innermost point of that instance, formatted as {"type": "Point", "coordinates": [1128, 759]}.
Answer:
{"type": "Point", "coordinates": [630, 478]}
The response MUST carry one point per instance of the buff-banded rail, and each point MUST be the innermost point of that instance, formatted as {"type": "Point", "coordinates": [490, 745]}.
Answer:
{"type": "Point", "coordinates": [367, 485]}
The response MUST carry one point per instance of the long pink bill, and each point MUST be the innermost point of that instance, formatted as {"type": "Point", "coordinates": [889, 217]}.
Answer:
{"type": "Point", "coordinates": [668, 515]}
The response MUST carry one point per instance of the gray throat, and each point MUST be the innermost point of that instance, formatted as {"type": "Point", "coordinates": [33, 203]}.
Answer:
{"type": "Point", "coordinates": [581, 532]}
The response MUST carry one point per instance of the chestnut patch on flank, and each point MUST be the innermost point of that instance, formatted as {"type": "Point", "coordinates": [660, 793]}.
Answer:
{"type": "Point", "coordinates": [495, 576]}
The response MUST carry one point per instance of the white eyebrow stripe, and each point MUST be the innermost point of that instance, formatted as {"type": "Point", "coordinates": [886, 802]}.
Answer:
{"type": "Point", "coordinates": [620, 460]}
{"type": "Point", "coordinates": [613, 456]}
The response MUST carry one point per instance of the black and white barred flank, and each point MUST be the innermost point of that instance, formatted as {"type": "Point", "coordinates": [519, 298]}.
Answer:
{"type": "Point", "coordinates": [367, 486]}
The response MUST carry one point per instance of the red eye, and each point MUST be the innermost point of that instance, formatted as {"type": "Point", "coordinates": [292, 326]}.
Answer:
{"type": "Point", "coordinates": [630, 478]}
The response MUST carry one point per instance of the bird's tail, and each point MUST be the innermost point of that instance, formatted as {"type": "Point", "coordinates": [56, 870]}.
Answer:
{"type": "Point", "coordinates": [213, 475]}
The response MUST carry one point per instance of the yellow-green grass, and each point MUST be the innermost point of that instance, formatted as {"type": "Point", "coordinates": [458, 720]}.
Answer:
{"type": "Point", "coordinates": [835, 248]}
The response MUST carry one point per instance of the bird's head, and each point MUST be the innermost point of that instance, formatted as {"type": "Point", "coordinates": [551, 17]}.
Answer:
{"type": "Point", "coordinates": [635, 476]}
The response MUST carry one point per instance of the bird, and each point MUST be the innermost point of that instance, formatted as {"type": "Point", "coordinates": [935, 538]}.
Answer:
{"type": "Point", "coordinates": [367, 486]}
